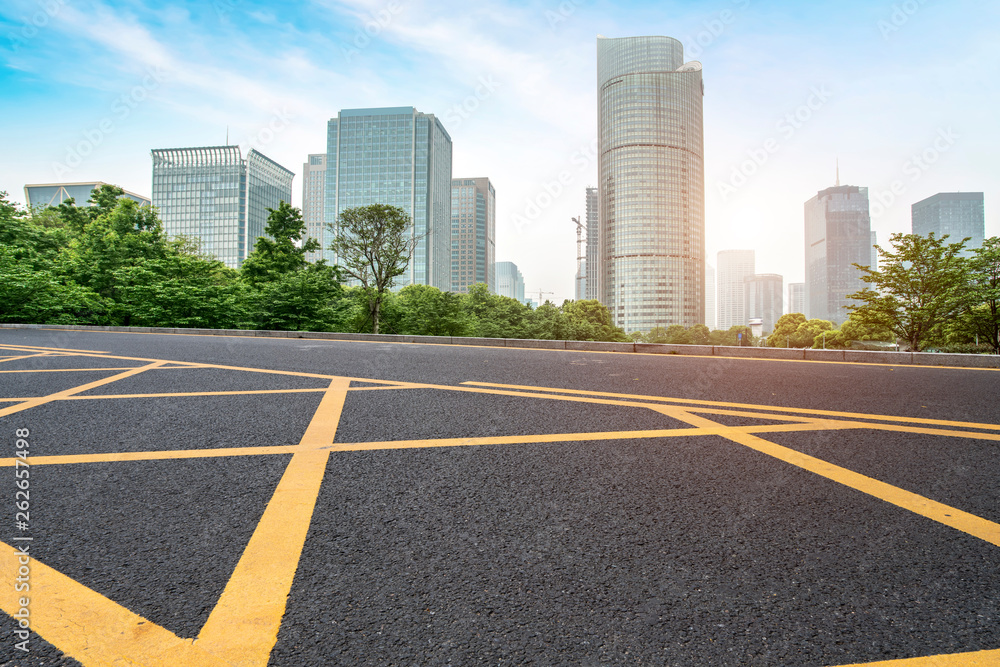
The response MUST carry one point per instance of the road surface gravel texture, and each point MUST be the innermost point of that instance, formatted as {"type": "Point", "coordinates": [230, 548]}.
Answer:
{"type": "Point", "coordinates": [199, 500]}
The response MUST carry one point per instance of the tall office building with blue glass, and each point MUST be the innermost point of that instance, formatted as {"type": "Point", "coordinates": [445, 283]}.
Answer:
{"type": "Point", "coordinates": [214, 195]}
{"type": "Point", "coordinates": [400, 157]}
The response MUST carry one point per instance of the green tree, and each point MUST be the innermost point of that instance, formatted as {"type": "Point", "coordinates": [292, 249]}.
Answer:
{"type": "Point", "coordinates": [497, 316]}
{"type": "Point", "coordinates": [374, 244]}
{"type": "Point", "coordinates": [427, 311]}
{"type": "Point", "coordinates": [699, 334]}
{"type": "Point", "coordinates": [920, 286]}
{"type": "Point", "coordinates": [282, 250]}
{"type": "Point", "coordinates": [784, 329]}
{"type": "Point", "coordinates": [589, 319]}
{"type": "Point", "coordinates": [982, 315]}
{"type": "Point", "coordinates": [309, 299]}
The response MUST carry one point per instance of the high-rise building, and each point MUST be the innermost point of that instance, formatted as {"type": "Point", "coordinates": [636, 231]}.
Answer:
{"type": "Point", "coordinates": [473, 233]}
{"type": "Point", "coordinates": [733, 268]}
{"type": "Point", "coordinates": [399, 157]}
{"type": "Point", "coordinates": [313, 192]}
{"type": "Point", "coordinates": [710, 312]}
{"type": "Point", "coordinates": [796, 298]}
{"type": "Point", "coordinates": [957, 214]}
{"type": "Point", "coordinates": [580, 280]}
{"type": "Point", "coordinates": [874, 242]}
{"type": "Point", "coordinates": [593, 272]}
{"type": "Point", "coordinates": [837, 236]}
{"type": "Point", "coordinates": [652, 193]}
{"type": "Point", "coordinates": [510, 282]}
{"type": "Point", "coordinates": [53, 194]}
{"type": "Point", "coordinates": [762, 298]}
{"type": "Point", "coordinates": [217, 196]}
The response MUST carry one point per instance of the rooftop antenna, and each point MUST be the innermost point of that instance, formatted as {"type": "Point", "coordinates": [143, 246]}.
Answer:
{"type": "Point", "coordinates": [838, 172]}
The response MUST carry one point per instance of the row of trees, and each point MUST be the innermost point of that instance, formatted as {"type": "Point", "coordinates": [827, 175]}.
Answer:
{"type": "Point", "coordinates": [111, 264]}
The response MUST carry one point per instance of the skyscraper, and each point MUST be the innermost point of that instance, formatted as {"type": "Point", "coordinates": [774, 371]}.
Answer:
{"type": "Point", "coordinates": [593, 273]}
{"type": "Point", "coordinates": [710, 309]}
{"type": "Point", "coordinates": [400, 157]}
{"type": "Point", "coordinates": [762, 298]}
{"type": "Point", "coordinates": [510, 282]}
{"type": "Point", "coordinates": [837, 235]}
{"type": "Point", "coordinates": [957, 214]}
{"type": "Point", "coordinates": [214, 195]}
{"type": "Point", "coordinates": [734, 267]}
{"type": "Point", "coordinates": [651, 170]}
{"type": "Point", "coordinates": [53, 194]}
{"type": "Point", "coordinates": [473, 233]}
{"type": "Point", "coordinates": [313, 189]}
{"type": "Point", "coordinates": [796, 298]}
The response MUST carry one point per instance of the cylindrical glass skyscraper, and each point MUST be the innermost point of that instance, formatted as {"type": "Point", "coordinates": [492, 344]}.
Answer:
{"type": "Point", "coordinates": [652, 183]}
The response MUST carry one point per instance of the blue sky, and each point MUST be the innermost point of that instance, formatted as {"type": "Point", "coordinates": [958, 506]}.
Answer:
{"type": "Point", "coordinates": [904, 94]}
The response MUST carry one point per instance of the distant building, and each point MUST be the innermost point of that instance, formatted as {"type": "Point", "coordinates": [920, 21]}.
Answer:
{"type": "Point", "coordinates": [580, 280]}
{"type": "Point", "coordinates": [510, 282]}
{"type": "Point", "coordinates": [710, 312]}
{"type": "Point", "coordinates": [313, 194]}
{"type": "Point", "coordinates": [652, 183]}
{"type": "Point", "coordinates": [217, 196]}
{"type": "Point", "coordinates": [874, 265]}
{"type": "Point", "coordinates": [957, 214]}
{"type": "Point", "coordinates": [400, 157]}
{"type": "Point", "coordinates": [837, 235]}
{"type": "Point", "coordinates": [733, 268]}
{"type": "Point", "coordinates": [52, 194]}
{"type": "Point", "coordinates": [796, 298]}
{"type": "Point", "coordinates": [593, 270]}
{"type": "Point", "coordinates": [763, 299]}
{"type": "Point", "coordinates": [473, 233]}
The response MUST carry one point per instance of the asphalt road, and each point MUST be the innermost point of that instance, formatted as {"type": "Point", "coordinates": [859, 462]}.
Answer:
{"type": "Point", "coordinates": [395, 504]}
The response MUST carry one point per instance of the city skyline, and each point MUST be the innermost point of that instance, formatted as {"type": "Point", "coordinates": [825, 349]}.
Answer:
{"type": "Point", "coordinates": [514, 85]}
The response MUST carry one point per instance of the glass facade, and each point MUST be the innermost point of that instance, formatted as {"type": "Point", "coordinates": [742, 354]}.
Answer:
{"type": "Point", "coordinates": [399, 157]}
{"type": "Point", "coordinates": [215, 196]}
{"type": "Point", "coordinates": [651, 169]}
{"type": "Point", "coordinates": [473, 233]}
{"type": "Point", "coordinates": [837, 236]}
{"type": "Point", "coordinates": [592, 288]}
{"type": "Point", "coordinates": [763, 296]}
{"type": "Point", "coordinates": [957, 214]}
{"type": "Point", "coordinates": [313, 189]}
{"type": "Point", "coordinates": [796, 298]}
{"type": "Point", "coordinates": [734, 268]}
{"type": "Point", "coordinates": [510, 282]}
{"type": "Point", "coordinates": [53, 194]}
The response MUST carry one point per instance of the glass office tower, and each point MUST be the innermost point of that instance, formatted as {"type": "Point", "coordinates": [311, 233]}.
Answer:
{"type": "Point", "coordinates": [400, 157]}
{"type": "Point", "coordinates": [763, 298]}
{"type": "Point", "coordinates": [313, 194]}
{"type": "Point", "coordinates": [652, 191]}
{"type": "Point", "coordinates": [510, 282]}
{"type": "Point", "coordinates": [593, 272]}
{"type": "Point", "coordinates": [838, 235]}
{"type": "Point", "coordinates": [957, 214]}
{"type": "Point", "coordinates": [473, 233]}
{"type": "Point", "coordinates": [41, 195]}
{"type": "Point", "coordinates": [214, 195]}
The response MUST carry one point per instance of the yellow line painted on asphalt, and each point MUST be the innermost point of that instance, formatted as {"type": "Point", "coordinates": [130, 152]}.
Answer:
{"type": "Point", "coordinates": [87, 626]}
{"type": "Point", "coordinates": [970, 524]}
{"type": "Point", "coordinates": [59, 395]}
{"type": "Point", "coordinates": [70, 370]}
{"type": "Point", "coordinates": [972, 659]}
{"type": "Point", "coordinates": [25, 356]}
{"type": "Point", "coordinates": [243, 626]}
{"type": "Point", "coordinates": [747, 406]}
{"type": "Point", "coordinates": [182, 394]}
{"type": "Point", "coordinates": [163, 455]}
{"type": "Point", "coordinates": [9, 346]}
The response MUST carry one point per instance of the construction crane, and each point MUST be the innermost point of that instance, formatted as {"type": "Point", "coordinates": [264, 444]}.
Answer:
{"type": "Point", "coordinates": [580, 257]}
{"type": "Point", "coordinates": [540, 293]}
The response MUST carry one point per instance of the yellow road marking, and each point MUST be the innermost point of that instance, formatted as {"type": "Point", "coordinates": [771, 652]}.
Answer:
{"type": "Point", "coordinates": [59, 395]}
{"type": "Point", "coordinates": [25, 356]}
{"type": "Point", "coordinates": [182, 394]}
{"type": "Point", "coordinates": [748, 406]}
{"type": "Point", "coordinates": [69, 370]}
{"type": "Point", "coordinates": [243, 627]}
{"type": "Point", "coordinates": [10, 346]}
{"type": "Point", "coordinates": [970, 524]}
{"type": "Point", "coordinates": [971, 659]}
{"type": "Point", "coordinates": [167, 454]}
{"type": "Point", "coordinates": [67, 613]}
